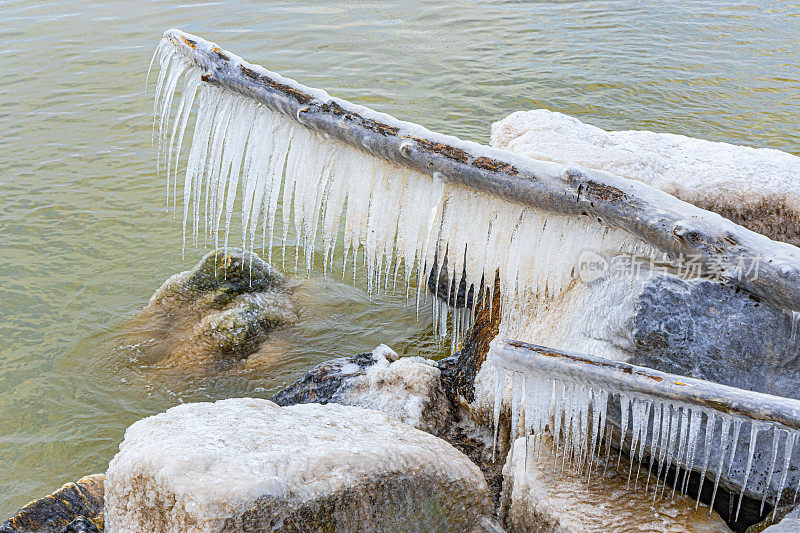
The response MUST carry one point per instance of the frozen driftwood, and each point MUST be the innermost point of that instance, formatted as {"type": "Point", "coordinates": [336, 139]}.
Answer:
{"type": "Point", "coordinates": [668, 419]}
{"type": "Point", "coordinates": [659, 219]}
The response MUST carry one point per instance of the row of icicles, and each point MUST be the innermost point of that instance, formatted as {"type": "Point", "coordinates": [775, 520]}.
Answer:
{"type": "Point", "coordinates": [401, 222]}
{"type": "Point", "coordinates": [246, 156]}
{"type": "Point", "coordinates": [576, 415]}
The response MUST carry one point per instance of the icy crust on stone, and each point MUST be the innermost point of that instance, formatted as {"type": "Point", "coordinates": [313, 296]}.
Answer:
{"type": "Point", "coordinates": [758, 188]}
{"type": "Point", "coordinates": [408, 389]}
{"type": "Point", "coordinates": [247, 463]}
{"type": "Point", "coordinates": [539, 494]}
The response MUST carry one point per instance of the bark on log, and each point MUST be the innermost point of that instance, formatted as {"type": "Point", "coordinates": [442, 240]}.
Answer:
{"type": "Point", "coordinates": [671, 225]}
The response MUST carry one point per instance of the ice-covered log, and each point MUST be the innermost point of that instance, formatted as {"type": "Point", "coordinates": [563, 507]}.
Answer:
{"type": "Point", "coordinates": [668, 419]}
{"type": "Point", "coordinates": [650, 215]}
{"type": "Point", "coordinates": [246, 464]}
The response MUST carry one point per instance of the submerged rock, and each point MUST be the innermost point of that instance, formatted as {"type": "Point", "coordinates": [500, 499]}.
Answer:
{"type": "Point", "coordinates": [218, 314]}
{"type": "Point", "coordinates": [72, 507]}
{"type": "Point", "coordinates": [249, 465]}
{"type": "Point", "coordinates": [541, 495]}
{"type": "Point", "coordinates": [408, 389]}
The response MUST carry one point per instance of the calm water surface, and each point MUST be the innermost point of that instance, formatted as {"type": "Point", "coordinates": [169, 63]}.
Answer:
{"type": "Point", "coordinates": [84, 239]}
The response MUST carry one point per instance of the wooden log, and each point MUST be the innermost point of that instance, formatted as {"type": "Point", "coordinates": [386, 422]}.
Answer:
{"type": "Point", "coordinates": [680, 229]}
{"type": "Point", "coordinates": [532, 359]}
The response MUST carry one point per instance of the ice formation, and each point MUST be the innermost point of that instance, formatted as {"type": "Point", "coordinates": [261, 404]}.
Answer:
{"type": "Point", "coordinates": [575, 414]}
{"type": "Point", "coordinates": [393, 224]}
{"type": "Point", "coordinates": [245, 464]}
{"type": "Point", "coordinates": [538, 497]}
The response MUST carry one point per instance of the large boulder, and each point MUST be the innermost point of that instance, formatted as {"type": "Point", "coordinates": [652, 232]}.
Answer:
{"type": "Point", "coordinates": [250, 465]}
{"type": "Point", "coordinates": [758, 188]}
{"type": "Point", "coordinates": [408, 389]}
{"type": "Point", "coordinates": [218, 315]}
{"type": "Point", "coordinates": [541, 495]}
{"type": "Point", "coordinates": [73, 508]}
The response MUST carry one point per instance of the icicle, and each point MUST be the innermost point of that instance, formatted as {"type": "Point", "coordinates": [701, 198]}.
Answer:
{"type": "Point", "coordinates": [516, 403]}
{"type": "Point", "coordinates": [723, 439]}
{"type": "Point", "coordinates": [694, 432]}
{"type": "Point", "coordinates": [499, 386]}
{"type": "Point", "coordinates": [624, 405]}
{"type": "Point", "coordinates": [787, 457]}
{"type": "Point", "coordinates": [775, 442]}
{"type": "Point", "coordinates": [754, 428]}
{"type": "Point", "coordinates": [658, 410]}
{"type": "Point", "coordinates": [711, 422]}
{"type": "Point", "coordinates": [683, 438]}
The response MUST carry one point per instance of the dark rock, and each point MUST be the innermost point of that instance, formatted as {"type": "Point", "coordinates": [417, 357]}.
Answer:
{"type": "Point", "coordinates": [454, 292]}
{"type": "Point", "coordinates": [74, 503]}
{"type": "Point", "coordinates": [706, 330]}
{"type": "Point", "coordinates": [324, 381]}
{"type": "Point", "coordinates": [408, 389]}
{"type": "Point", "coordinates": [82, 525]}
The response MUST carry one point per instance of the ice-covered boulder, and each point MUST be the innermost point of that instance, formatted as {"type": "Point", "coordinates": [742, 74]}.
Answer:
{"type": "Point", "coordinates": [539, 495]}
{"type": "Point", "coordinates": [74, 505]}
{"type": "Point", "coordinates": [758, 188]}
{"type": "Point", "coordinates": [690, 327]}
{"type": "Point", "coordinates": [217, 315]}
{"type": "Point", "coordinates": [408, 389]}
{"type": "Point", "coordinates": [249, 465]}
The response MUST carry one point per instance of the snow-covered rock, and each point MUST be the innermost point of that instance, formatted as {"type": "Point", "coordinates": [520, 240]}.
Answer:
{"type": "Point", "coordinates": [758, 188]}
{"type": "Point", "coordinates": [249, 465]}
{"type": "Point", "coordinates": [543, 497]}
{"type": "Point", "coordinates": [408, 389]}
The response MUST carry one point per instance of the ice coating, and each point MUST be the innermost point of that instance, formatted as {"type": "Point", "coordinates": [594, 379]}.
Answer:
{"type": "Point", "coordinates": [572, 410]}
{"type": "Point", "coordinates": [408, 389]}
{"type": "Point", "coordinates": [756, 187]}
{"type": "Point", "coordinates": [248, 465]}
{"type": "Point", "coordinates": [396, 221]}
{"type": "Point", "coordinates": [538, 497]}
{"type": "Point", "coordinates": [314, 184]}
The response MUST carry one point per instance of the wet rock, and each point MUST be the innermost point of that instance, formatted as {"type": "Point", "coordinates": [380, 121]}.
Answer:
{"type": "Point", "coordinates": [540, 495]}
{"type": "Point", "coordinates": [788, 524]}
{"type": "Point", "coordinates": [220, 313]}
{"type": "Point", "coordinates": [249, 465]}
{"type": "Point", "coordinates": [706, 330]}
{"type": "Point", "coordinates": [82, 525]}
{"type": "Point", "coordinates": [78, 502]}
{"type": "Point", "coordinates": [408, 389]}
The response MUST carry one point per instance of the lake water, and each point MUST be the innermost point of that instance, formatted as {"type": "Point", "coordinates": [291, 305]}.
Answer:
{"type": "Point", "coordinates": [84, 239]}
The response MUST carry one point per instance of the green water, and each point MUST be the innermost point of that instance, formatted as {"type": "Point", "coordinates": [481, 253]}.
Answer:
{"type": "Point", "coordinates": [84, 239]}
